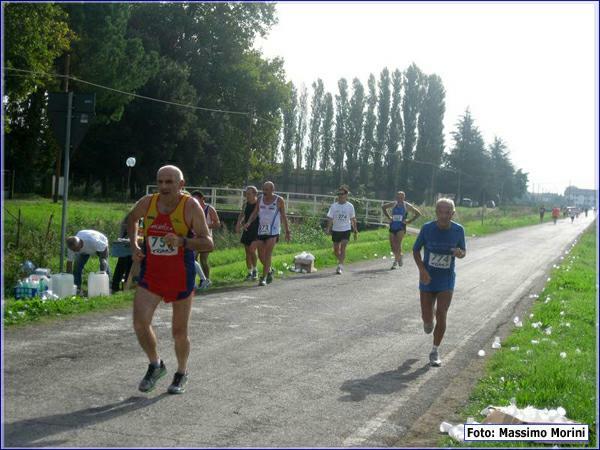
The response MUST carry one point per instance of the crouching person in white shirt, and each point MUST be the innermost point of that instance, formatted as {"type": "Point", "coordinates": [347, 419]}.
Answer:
{"type": "Point", "coordinates": [81, 246]}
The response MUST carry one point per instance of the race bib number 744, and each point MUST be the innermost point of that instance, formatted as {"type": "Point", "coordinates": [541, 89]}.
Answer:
{"type": "Point", "coordinates": [440, 261]}
{"type": "Point", "coordinates": [264, 229]}
{"type": "Point", "coordinates": [158, 246]}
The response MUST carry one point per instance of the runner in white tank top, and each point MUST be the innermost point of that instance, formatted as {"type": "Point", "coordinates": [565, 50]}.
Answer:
{"type": "Point", "coordinates": [270, 210]}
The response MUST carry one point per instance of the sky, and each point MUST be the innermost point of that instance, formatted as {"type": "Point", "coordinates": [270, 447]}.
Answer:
{"type": "Point", "coordinates": [527, 71]}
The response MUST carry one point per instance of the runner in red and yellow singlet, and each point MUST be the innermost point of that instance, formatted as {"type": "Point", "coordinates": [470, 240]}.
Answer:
{"type": "Point", "coordinates": [174, 227]}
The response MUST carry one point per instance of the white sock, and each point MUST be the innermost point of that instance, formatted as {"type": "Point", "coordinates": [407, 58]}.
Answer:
{"type": "Point", "coordinates": [434, 348]}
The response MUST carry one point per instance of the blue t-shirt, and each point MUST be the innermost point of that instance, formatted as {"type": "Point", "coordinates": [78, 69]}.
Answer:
{"type": "Point", "coordinates": [398, 218]}
{"type": "Point", "coordinates": [438, 243]}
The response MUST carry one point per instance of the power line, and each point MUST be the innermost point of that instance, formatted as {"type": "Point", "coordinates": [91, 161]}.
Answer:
{"type": "Point", "coordinates": [132, 94]}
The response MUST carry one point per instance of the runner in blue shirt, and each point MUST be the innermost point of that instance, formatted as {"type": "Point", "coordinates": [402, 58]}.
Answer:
{"type": "Point", "coordinates": [444, 241]}
{"type": "Point", "coordinates": [398, 222]}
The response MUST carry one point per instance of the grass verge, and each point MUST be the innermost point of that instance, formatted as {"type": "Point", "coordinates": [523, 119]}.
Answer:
{"type": "Point", "coordinates": [537, 374]}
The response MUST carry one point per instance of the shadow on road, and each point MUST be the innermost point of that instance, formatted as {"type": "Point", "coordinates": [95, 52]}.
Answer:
{"type": "Point", "coordinates": [382, 383]}
{"type": "Point", "coordinates": [25, 433]}
{"type": "Point", "coordinates": [368, 271]}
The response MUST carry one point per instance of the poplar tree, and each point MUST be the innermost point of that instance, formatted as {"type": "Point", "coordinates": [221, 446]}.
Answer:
{"type": "Point", "coordinates": [289, 135]}
{"type": "Point", "coordinates": [355, 126]}
{"type": "Point", "coordinates": [368, 142]}
{"type": "Point", "coordinates": [383, 119]}
{"type": "Point", "coordinates": [394, 134]}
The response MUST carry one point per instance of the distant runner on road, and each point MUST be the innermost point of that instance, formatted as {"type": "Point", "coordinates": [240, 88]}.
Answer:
{"type": "Point", "coordinates": [398, 222]}
{"type": "Point", "coordinates": [555, 214]}
{"type": "Point", "coordinates": [443, 241]}
{"type": "Point", "coordinates": [174, 226]}
{"type": "Point", "coordinates": [542, 212]}
{"type": "Point", "coordinates": [270, 210]}
{"type": "Point", "coordinates": [341, 221]}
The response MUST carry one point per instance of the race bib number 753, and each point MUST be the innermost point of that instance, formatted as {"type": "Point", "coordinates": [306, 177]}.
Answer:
{"type": "Point", "coordinates": [158, 246]}
{"type": "Point", "coordinates": [440, 261]}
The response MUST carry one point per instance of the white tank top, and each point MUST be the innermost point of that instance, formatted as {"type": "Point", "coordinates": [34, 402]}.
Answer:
{"type": "Point", "coordinates": [269, 219]}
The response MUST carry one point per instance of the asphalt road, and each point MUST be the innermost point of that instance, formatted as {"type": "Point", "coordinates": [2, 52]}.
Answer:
{"type": "Point", "coordinates": [313, 360]}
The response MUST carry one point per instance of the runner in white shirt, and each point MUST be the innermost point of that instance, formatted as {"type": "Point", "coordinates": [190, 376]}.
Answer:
{"type": "Point", "coordinates": [80, 247]}
{"type": "Point", "coordinates": [341, 220]}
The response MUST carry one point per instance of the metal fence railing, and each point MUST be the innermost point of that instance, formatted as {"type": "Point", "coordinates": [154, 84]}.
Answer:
{"type": "Point", "coordinates": [297, 204]}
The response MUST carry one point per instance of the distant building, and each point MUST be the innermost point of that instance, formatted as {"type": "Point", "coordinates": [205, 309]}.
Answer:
{"type": "Point", "coordinates": [580, 197]}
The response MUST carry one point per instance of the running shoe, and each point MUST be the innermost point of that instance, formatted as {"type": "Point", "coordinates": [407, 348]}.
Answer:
{"type": "Point", "coordinates": [434, 359]}
{"type": "Point", "coordinates": [204, 284]}
{"type": "Point", "coordinates": [394, 266]}
{"type": "Point", "coordinates": [270, 276]}
{"type": "Point", "coordinates": [339, 269]}
{"type": "Point", "coordinates": [262, 281]}
{"type": "Point", "coordinates": [428, 327]}
{"type": "Point", "coordinates": [249, 277]}
{"type": "Point", "coordinates": [152, 376]}
{"type": "Point", "coordinates": [400, 261]}
{"type": "Point", "coordinates": [254, 275]}
{"type": "Point", "coordinates": [178, 384]}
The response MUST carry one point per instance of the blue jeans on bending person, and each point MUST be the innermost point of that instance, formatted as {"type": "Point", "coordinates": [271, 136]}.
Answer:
{"type": "Point", "coordinates": [80, 261]}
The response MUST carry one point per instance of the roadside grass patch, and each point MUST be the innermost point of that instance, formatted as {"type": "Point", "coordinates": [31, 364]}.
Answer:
{"type": "Point", "coordinates": [17, 312]}
{"type": "Point", "coordinates": [537, 374]}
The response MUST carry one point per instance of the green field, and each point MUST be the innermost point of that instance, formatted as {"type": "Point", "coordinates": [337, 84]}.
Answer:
{"type": "Point", "coordinates": [39, 241]}
{"type": "Point", "coordinates": [537, 374]}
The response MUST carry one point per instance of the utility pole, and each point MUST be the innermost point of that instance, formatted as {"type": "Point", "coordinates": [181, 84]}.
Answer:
{"type": "Point", "coordinates": [250, 120]}
{"type": "Point", "coordinates": [59, 150]}
{"type": "Point", "coordinates": [63, 228]}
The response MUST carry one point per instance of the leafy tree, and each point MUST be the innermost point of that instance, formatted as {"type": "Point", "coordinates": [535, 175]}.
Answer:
{"type": "Point", "coordinates": [301, 133]}
{"type": "Point", "coordinates": [413, 96]}
{"type": "Point", "coordinates": [171, 134]}
{"type": "Point", "coordinates": [215, 41]}
{"type": "Point", "coordinates": [289, 134]}
{"type": "Point", "coordinates": [105, 54]}
{"type": "Point", "coordinates": [468, 158]}
{"type": "Point", "coordinates": [355, 126]}
{"type": "Point", "coordinates": [327, 133]}
{"type": "Point", "coordinates": [35, 34]}
{"type": "Point", "coordinates": [316, 118]}
{"type": "Point", "coordinates": [430, 141]}
{"type": "Point", "coordinates": [368, 142]}
{"type": "Point", "coordinates": [341, 131]}
{"type": "Point", "coordinates": [502, 172]}
{"type": "Point", "coordinates": [394, 133]}
{"type": "Point", "coordinates": [383, 119]}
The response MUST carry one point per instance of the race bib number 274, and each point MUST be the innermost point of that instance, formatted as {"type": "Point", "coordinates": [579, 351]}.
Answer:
{"type": "Point", "coordinates": [440, 261]}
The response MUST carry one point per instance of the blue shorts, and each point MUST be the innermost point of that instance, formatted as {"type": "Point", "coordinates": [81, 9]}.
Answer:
{"type": "Point", "coordinates": [439, 283]}
{"type": "Point", "coordinates": [395, 231]}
